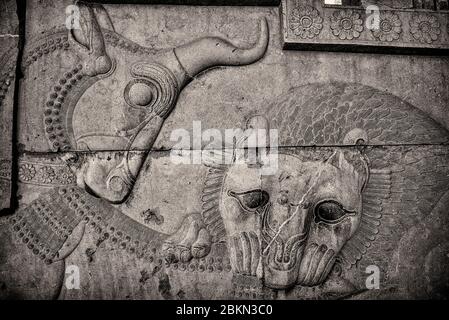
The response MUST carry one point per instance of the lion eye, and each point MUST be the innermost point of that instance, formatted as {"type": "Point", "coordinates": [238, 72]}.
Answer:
{"type": "Point", "coordinates": [330, 211]}
{"type": "Point", "coordinates": [251, 200]}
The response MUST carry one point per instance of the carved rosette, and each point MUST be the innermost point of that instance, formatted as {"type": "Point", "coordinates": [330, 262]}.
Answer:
{"type": "Point", "coordinates": [390, 27]}
{"type": "Point", "coordinates": [346, 24]}
{"type": "Point", "coordinates": [305, 22]}
{"type": "Point", "coordinates": [425, 28]}
{"type": "Point", "coordinates": [27, 172]}
{"type": "Point", "coordinates": [45, 173]}
{"type": "Point", "coordinates": [345, 28]}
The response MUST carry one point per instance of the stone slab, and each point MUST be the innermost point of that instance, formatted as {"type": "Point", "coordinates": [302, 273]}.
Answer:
{"type": "Point", "coordinates": [9, 39]}
{"type": "Point", "coordinates": [198, 2]}
{"type": "Point", "coordinates": [246, 91]}
{"type": "Point", "coordinates": [310, 25]}
{"type": "Point", "coordinates": [125, 174]}
{"type": "Point", "coordinates": [404, 200]}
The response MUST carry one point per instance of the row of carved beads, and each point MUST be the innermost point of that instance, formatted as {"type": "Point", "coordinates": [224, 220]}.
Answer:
{"type": "Point", "coordinates": [59, 41]}
{"type": "Point", "coordinates": [115, 40]}
{"type": "Point", "coordinates": [53, 123]}
{"type": "Point", "coordinates": [93, 218]}
{"type": "Point", "coordinates": [48, 215]}
{"type": "Point", "coordinates": [23, 229]}
{"type": "Point", "coordinates": [246, 292]}
{"type": "Point", "coordinates": [209, 264]}
{"type": "Point", "coordinates": [79, 205]}
{"type": "Point", "coordinates": [120, 239]}
{"type": "Point", "coordinates": [306, 22]}
{"type": "Point", "coordinates": [123, 241]}
{"type": "Point", "coordinates": [51, 44]}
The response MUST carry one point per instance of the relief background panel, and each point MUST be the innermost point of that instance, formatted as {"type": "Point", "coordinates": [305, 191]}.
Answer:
{"type": "Point", "coordinates": [236, 92]}
{"type": "Point", "coordinates": [9, 39]}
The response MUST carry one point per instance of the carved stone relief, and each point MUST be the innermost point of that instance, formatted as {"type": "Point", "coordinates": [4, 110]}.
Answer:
{"type": "Point", "coordinates": [9, 40]}
{"type": "Point", "coordinates": [361, 171]}
{"type": "Point", "coordinates": [323, 210]}
{"type": "Point", "coordinates": [360, 28]}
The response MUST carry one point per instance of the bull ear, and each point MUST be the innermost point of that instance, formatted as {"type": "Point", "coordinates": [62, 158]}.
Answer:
{"type": "Point", "coordinates": [87, 28]}
{"type": "Point", "coordinates": [103, 18]}
{"type": "Point", "coordinates": [88, 41]}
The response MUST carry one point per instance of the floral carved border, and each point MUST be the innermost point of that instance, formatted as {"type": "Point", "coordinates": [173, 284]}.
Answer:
{"type": "Point", "coordinates": [49, 172]}
{"type": "Point", "coordinates": [309, 25]}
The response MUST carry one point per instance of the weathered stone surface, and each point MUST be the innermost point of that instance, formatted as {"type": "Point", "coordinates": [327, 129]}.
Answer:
{"type": "Point", "coordinates": [9, 29]}
{"type": "Point", "coordinates": [169, 27]}
{"type": "Point", "coordinates": [120, 178]}
{"type": "Point", "coordinates": [405, 198]}
{"type": "Point", "coordinates": [309, 25]}
{"type": "Point", "coordinates": [198, 2]}
{"type": "Point", "coordinates": [397, 4]}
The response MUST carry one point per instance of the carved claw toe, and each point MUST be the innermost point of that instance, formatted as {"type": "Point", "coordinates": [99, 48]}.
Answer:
{"type": "Point", "coordinates": [169, 254]}
{"type": "Point", "coordinates": [184, 253]}
{"type": "Point", "coordinates": [192, 240]}
{"type": "Point", "coordinates": [201, 247]}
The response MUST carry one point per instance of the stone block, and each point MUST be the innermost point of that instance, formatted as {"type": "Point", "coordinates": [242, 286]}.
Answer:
{"type": "Point", "coordinates": [179, 152]}
{"type": "Point", "coordinates": [9, 40]}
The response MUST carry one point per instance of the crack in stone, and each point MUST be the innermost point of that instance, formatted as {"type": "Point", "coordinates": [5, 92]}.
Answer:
{"type": "Point", "coordinates": [305, 147]}
{"type": "Point", "coordinates": [298, 207]}
{"type": "Point", "coordinates": [8, 35]}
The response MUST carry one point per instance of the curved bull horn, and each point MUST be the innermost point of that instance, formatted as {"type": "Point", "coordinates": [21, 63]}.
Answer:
{"type": "Point", "coordinates": [204, 53]}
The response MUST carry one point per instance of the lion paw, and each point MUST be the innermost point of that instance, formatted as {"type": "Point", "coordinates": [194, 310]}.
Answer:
{"type": "Point", "coordinates": [192, 240]}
